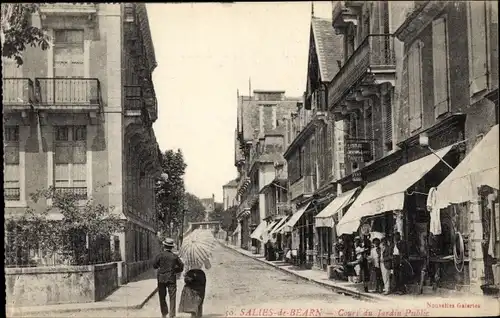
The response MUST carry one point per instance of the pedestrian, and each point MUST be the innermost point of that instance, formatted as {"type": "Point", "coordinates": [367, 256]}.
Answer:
{"type": "Point", "coordinates": [399, 256]}
{"type": "Point", "coordinates": [168, 265]}
{"type": "Point", "coordinates": [193, 293]}
{"type": "Point", "coordinates": [375, 258]}
{"type": "Point", "coordinates": [386, 265]}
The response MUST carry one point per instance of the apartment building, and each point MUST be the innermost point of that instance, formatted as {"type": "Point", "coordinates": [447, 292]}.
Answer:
{"type": "Point", "coordinates": [79, 115]}
{"type": "Point", "coordinates": [229, 194]}
{"type": "Point", "coordinates": [259, 116]}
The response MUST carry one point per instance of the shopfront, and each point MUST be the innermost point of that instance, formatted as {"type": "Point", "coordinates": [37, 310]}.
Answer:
{"type": "Point", "coordinates": [300, 225]}
{"type": "Point", "coordinates": [398, 203]}
{"type": "Point", "coordinates": [324, 223]}
{"type": "Point", "coordinates": [473, 187]}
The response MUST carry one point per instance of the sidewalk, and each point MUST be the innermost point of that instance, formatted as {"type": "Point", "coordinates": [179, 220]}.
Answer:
{"type": "Point", "coordinates": [341, 287]}
{"type": "Point", "coordinates": [130, 296]}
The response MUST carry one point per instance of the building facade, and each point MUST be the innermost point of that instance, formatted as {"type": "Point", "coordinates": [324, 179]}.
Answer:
{"type": "Point", "coordinates": [229, 193]}
{"type": "Point", "coordinates": [75, 122]}
{"type": "Point", "coordinates": [256, 151]}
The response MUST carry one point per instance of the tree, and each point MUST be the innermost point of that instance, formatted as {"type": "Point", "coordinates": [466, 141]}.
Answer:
{"type": "Point", "coordinates": [80, 236]}
{"type": "Point", "coordinates": [170, 192]}
{"type": "Point", "coordinates": [195, 211]}
{"type": "Point", "coordinates": [17, 32]}
{"type": "Point", "coordinates": [226, 217]}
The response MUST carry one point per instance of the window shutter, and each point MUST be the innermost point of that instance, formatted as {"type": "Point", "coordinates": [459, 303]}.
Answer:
{"type": "Point", "coordinates": [478, 62]}
{"type": "Point", "coordinates": [11, 153]}
{"type": "Point", "coordinates": [78, 175]}
{"type": "Point", "coordinates": [61, 175]}
{"type": "Point", "coordinates": [440, 66]}
{"type": "Point", "coordinates": [79, 152]}
{"type": "Point", "coordinates": [63, 153]}
{"type": "Point", "coordinates": [415, 87]}
{"type": "Point", "coordinates": [387, 118]}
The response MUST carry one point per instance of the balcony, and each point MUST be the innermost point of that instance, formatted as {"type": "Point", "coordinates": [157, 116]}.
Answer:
{"type": "Point", "coordinates": [11, 194]}
{"type": "Point", "coordinates": [373, 62]}
{"type": "Point", "coordinates": [80, 193]}
{"type": "Point", "coordinates": [67, 8]}
{"type": "Point", "coordinates": [134, 101]}
{"type": "Point", "coordinates": [18, 94]}
{"type": "Point", "coordinates": [68, 94]}
{"type": "Point", "coordinates": [303, 186]}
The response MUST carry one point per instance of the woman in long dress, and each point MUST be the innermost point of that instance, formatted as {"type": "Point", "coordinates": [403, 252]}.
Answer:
{"type": "Point", "coordinates": [193, 293]}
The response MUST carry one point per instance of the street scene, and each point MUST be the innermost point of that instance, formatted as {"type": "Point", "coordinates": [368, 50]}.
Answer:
{"type": "Point", "coordinates": [267, 159]}
{"type": "Point", "coordinates": [231, 291]}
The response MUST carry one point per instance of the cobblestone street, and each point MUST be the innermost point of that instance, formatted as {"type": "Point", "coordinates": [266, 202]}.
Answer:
{"type": "Point", "coordinates": [237, 285]}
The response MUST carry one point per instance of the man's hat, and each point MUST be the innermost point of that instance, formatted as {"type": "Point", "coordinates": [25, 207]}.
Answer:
{"type": "Point", "coordinates": [168, 242]}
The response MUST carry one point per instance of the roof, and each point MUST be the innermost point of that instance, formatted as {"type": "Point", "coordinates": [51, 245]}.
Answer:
{"type": "Point", "coordinates": [271, 157]}
{"type": "Point", "coordinates": [232, 183]}
{"type": "Point", "coordinates": [248, 114]}
{"type": "Point", "coordinates": [329, 47]}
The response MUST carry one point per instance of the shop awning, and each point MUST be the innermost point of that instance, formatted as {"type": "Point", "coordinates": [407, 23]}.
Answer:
{"type": "Point", "coordinates": [279, 226]}
{"type": "Point", "coordinates": [325, 217]}
{"type": "Point", "coordinates": [257, 234]}
{"type": "Point", "coordinates": [479, 167]}
{"type": "Point", "coordinates": [238, 229]}
{"type": "Point", "coordinates": [388, 193]}
{"type": "Point", "coordinates": [296, 216]}
{"type": "Point", "coordinates": [265, 235]}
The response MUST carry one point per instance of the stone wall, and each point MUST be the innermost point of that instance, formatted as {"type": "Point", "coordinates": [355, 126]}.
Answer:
{"type": "Point", "coordinates": [136, 268]}
{"type": "Point", "coordinates": [37, 286]}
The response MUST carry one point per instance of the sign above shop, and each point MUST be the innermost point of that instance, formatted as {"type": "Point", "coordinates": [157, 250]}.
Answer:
{"type": "Point", "coordinates": [356, 176]}
{"type": "Point", "coordinates": [359, 150]}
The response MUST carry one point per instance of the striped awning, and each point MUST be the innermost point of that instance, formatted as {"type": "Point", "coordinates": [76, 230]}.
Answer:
{"type": "Point", "coordinates": [278, 226]}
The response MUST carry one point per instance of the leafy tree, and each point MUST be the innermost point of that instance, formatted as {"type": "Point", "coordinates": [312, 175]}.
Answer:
{"type": "Point", "coordinates": [226, 217]}
{"type": "Point", "coordinates": [170, 192]}
{"type": "Point", "coordinates": [195, 211]}
{"type": "Point", "coordinates": [80, 236]}
{"type": "Point", "coordinates": [17, 32]}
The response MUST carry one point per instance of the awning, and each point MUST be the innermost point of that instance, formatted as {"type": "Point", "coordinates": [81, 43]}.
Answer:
{"type": "Point", "coordinates": [296, 216]}
{"type": "Point", "coordinates": [238, 229]}
{"type": "Point", "coordinates": [265, 235]}
{"type": "Point", "coordinates": [388, 193]}
{"type": "Point", "coordinates": [280, 225]}
{"type": "Point", "coordinates": [257, 234]}
{"type": "Point", "coordinates": [479, 167]}
{"type": "Point", "coordinates": [325, 217]}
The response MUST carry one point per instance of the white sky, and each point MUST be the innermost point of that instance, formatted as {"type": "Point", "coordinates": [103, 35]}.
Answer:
{"type": "Point", "coordinates": [205, 52]}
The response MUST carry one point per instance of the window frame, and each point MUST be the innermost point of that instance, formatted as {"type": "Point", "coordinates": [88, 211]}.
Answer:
{"type": "Point", "coordinates": [415, 48]}
{"type": "Point", "coordinates": [51, 50]}
{"type": "Point", "coordinates": [21, 202]}
{"type": "Point", "coordinates": [437, 104]}
{"type": "Point", "coordinates": [73, 144]}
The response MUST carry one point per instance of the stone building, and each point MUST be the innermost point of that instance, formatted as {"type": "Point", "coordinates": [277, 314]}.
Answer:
{"type": "Point", "coordinates": [79, 115]}
{"type": "Point", "coordinates": [258, 116]}
{"type": "Point", "coordinates": [229, 194]}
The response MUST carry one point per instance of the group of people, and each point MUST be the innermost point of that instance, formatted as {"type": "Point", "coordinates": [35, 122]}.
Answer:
{"type": "Point", "coordinates": [169, 267]}
{"type": "Point", "coordinates": [383, 260]}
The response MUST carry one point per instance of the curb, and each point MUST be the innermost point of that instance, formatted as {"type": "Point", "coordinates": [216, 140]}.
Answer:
{"type": "Point", "coordinates": [21, 311]}
{"type": "Point", "coordinates": [337, 289]}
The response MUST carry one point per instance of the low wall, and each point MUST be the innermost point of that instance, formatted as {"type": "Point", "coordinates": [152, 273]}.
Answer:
{"type": "Point", "coordinates": [37, 286]}
{"type": "Point", "coordinates": [137, 268]}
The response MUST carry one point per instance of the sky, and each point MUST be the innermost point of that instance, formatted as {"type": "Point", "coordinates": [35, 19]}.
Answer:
{"type": "Point", "coordinates": [205, 53]}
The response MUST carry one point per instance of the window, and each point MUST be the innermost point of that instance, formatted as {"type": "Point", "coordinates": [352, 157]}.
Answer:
{"type": "Point", "coordinates": [387, 109]}
{"type": "Point", "coordinates": [12, 189]}
{"type": "Point", "coordinates": [70, 160]}
{"type": "Point", "coordinates": [68, 53]}
{"type": "Point", "coordinates": [129, 12]}
{"type": "Point", "coordinates": [478, 53]}
{"type": "Point", "coordinates": [414, 74]}
{"type": "Point", "coordinates": [440, 66]}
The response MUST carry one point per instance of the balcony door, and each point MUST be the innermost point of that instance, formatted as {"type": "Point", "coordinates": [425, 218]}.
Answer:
{"type": "Point", "coordinates": [15, 90]}
{"type": "Point", "coordinates": [68, 86]}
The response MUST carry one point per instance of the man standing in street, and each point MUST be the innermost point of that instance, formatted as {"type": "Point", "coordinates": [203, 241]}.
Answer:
{"type": "Point", "coordinates": [386, 264]}
{"type": "Point", "coordinates": [399, 255]}
{"type": "Point", "coordinates": [168, 265]}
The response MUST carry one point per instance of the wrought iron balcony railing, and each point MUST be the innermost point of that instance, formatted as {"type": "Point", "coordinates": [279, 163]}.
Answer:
{"type": "Point", "coordinates": [79, 192]}
{"type": "Point", "coordinates": [12, 194]}
{"type": "Point", "coordinates": [375, 52]}
{"type": "Point", "coordinates": [134, 99]}
{"type": "Point", "coordinates": [68, 92]}
{"type": "Point", "coordinates": [18, 92]}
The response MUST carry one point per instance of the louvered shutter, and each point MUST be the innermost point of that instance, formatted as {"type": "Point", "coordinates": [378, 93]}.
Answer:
{"type": "Point", "coordinates": [415, 86]}
{"type": "Point", "coordinates": [478, 61]}
{"type": "Point", "coordinates": [440, 66]}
